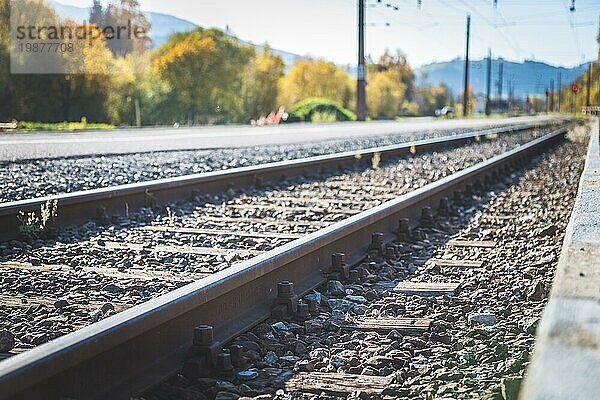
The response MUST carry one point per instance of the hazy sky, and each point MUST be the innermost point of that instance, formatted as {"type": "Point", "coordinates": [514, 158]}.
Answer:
{"type": "Point", "coordinates": [516, 29]}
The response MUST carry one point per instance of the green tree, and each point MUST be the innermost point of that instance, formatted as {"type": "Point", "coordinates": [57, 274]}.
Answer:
{"type": "Point", "coordinates": [205, 68]}
{"type": "Point", "coordinates": [157, 101]}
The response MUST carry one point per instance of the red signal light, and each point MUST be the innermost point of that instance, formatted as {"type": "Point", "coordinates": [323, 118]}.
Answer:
{"type": "Point", "coordinates": [575, 88]}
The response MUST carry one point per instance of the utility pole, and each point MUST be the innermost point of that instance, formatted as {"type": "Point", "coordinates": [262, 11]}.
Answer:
{"type": "Point", "coordinates": [500, 78]}
{"type": "Point", "coordinates": [466, 93]}
{"type": "Point", "coordinates": [509, 86]}
{"type": "Point", "coordinates": [547, 94]}
{"type": "Point", "coordinates": [361, 95]}
{"type": "Point", "coordinates": [551, 95]}
{"type": "Point", "coordinates": [559, 90]}
{"type": "Point", "coordinates": [589, 85]}
{"type": "Point", "coordinates": [138, 114]}
{"type": "Point", "coordinates": [488, 109]}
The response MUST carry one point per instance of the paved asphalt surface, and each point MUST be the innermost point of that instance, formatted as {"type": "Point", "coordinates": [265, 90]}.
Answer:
{"type": "Point", "coordinates": [27, 146]}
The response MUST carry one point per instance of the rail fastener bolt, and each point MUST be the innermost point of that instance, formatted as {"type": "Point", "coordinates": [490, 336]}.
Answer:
{"type": "Point", "coordinates": [444, 207]}
{"type": "Point", "coordinates": [390, 252]}
{"type": "Point", "coordinates": [313, 306]}
{"type": "Point", "coordinates": [426, 220]}
{"type": "Point", "coordinates": [203, 354]}
{"type": "Point", "coordinates": [339, 269]}
{"type": "Point", "coordinates": [302, 313]}
{"type": "Point", "coordinates": [377, 243]}
{"type": "Point", "coordinates": [286, 303]}
{"type": "Point", "coordinates": [404, 232]}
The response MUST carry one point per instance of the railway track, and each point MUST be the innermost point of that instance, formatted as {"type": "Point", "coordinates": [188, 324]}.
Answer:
{"type": "Point", "coordinates": [295, 243]}
{"type": "Point", "coordinates": [79, 207]}
{"type": "Point", "coordinates": [91, 272]}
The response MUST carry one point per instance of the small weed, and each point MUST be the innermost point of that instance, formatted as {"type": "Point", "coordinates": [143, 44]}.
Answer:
{"type": "Point", "coordinates": [171, 216]}
{"type": "Point", "coordinates": [376, 160]}
{"type": "Point", "coordinates": [32, 223]}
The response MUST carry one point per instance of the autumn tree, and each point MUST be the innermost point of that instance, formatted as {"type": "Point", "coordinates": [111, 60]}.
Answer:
{"type": "Point", "coordinates": [573, 102]}
{"type": "Point", "coordinates": [4, 60]}
{"type": "Point", "coordinates": [385, 94]}
{"type": "Point", "coordinates": [77, 90]}
{"type": "Point", "coordinates": [147, 93]}
{"type": "Point", "coordinates": [85, 91]}
{"type": "Point", "coordinates": [431, 98]}
{"type": "Point", "coordinates": [391, 86]}
{"type": "Point", "coordinates": [316, 78]}
{"type": "Point", "coordinates": [261, 84]}
{"type": "Point", "coordinates": [398, 63]}
{"type": "Point", "coordinates": [205, 67]}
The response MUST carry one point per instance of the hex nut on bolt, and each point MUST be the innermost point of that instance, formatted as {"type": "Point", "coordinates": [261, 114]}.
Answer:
{"type": "Point", "coordinates": [303, 313]}
{"type": "Point", "coordinates": [339, 270]}
{"type": "Point", "coordinates": [203, 335]}
{"type": "Point", "coordinates": [203, 354]}
{"type": "Point", "coordinates": [286, 303]}
{"type": "Point", "coordinates": [237, 358]}
{"type": "Point", "coordinates": [204, 344]}
{"type": "Point", "coordinates": [313, 306]}
{"type": "Point", "coordinates": [377, 242]}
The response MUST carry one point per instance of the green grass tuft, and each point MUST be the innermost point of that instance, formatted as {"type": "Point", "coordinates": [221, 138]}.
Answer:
{"type": "Point", "coordinates": [60, 126]}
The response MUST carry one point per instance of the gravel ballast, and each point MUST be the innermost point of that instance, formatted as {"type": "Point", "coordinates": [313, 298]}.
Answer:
{"type": "Point", "coordinates": [481, 337]}
{"type": "Point", "coordinates": [38, 178]}
{"type": "Point", "coordinates": [54, 286]}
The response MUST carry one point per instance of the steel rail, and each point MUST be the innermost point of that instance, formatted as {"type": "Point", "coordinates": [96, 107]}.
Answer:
{"type": "Point", "coordinates": [129, 352]}
{"type": "Point", "coordinates": [81, 206]}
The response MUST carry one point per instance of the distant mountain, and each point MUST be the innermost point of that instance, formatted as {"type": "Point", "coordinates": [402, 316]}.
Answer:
{"type": "Point", "coordinates": [528, 78]}
{"type": "Point", "coordinates": [162, 26]}
{"type": "Point", "coordinates": [75, 13]}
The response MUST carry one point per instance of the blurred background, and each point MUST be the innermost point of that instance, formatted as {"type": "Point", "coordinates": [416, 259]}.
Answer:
{"type": "Point", "coordinates": [266, 62]}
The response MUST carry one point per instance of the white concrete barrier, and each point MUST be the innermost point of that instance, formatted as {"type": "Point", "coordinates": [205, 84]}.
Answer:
{"type": "Point", "coordinates": [566, 360]}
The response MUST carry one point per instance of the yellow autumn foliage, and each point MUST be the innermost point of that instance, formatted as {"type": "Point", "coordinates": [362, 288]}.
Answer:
{"type": "Point", "coordinates": [385, 94]}
{"type": "Point", "coordinates": [316, 78]}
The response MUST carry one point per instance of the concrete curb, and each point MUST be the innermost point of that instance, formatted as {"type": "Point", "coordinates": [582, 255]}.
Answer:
{"type": "Point", "coordinates": [566, 361]}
